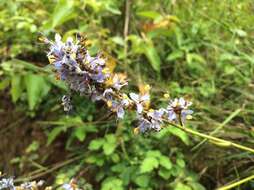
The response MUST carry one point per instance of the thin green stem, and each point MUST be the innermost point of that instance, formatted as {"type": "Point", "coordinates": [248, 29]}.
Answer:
{"type": "Point", "coordinates": [214, 140]}
{"type": "Point", "coordinates": [229, 118]}
{"type": "Point", "coordinates": [236, 183]}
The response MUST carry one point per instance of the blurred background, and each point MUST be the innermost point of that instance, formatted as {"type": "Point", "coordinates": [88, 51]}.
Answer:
{"type": "Point", "coordinates": [199, 49]}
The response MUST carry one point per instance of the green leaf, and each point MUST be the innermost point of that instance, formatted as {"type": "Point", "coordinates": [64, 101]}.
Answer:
{"type": "Point", "coordinates": [80, 133]}
{"type": "Point", "coordinates": [110, 144]}
{"type": "Point", "coordinates": [112, 183]}
{"type": "Point", "coordinates": [53, 134]}
{"type": "Point", "coordinates": [193, 57]}
{"type": "Point", "coordinates": [142, 180]}
{"type": "Point", "coordinates": [164, 173]}
{"type": "Point", "coordinates": [16, 87]}
{"type": "Point", "coordinates": [152, 56]}
{"type": "Point", "coordinates": [118, 40]}
{"type": "Point", "coordinates": [175, 55]}
{"type": "Point", "coordinates": [96, 144]}
{"type": "Point", "coordinates": [33, 147]}
{"type": "Point", "coordinates": [115, 158]}
{"type": "Point", "coordinates": [4, 83]}
{"type": "Point", "coordinates": [64, 11]}
{"type": "Point", "coordinates": [37, 88]}
{"type": "Point", "coordinates": [149, 164]}
{"type": "Point", "coordinates": [111, 7]}
{"type": "Point", "coordinates": [181, 186]}
{"type": "Point", "coordinates": [179, 133]}
{"type": "Point", "coordinates": [95, 159]}
{"type": "Point", "coordinates": [180, 162]}
{"type": "Point", "coordinates": [196, 186]}
{"type": "Point", "coordinates": [153, 153]}
{"type": "Point", "coordinates": [149, 14]}
{"type": "Point", "coordinates": [165, 162]}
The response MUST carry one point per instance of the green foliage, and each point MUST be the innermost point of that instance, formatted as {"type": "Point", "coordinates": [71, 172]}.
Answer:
{"type": "Point", "coordinates": [203, 49]}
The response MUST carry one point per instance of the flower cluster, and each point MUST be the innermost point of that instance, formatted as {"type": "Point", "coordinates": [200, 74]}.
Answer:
{"type": "Point", "coordinates": [8, 184]}
{"type": "Point", "coordinates": [91, 76]}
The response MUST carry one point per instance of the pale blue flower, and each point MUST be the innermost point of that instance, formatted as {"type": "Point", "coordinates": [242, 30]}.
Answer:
{"type": "Point", "coordinates": [178, 108]}
{"type": "Point", "coordinates": [139, 101]}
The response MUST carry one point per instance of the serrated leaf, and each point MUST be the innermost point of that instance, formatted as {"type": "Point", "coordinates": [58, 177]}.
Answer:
{"type": "Point", "coordinates": [149, 164]}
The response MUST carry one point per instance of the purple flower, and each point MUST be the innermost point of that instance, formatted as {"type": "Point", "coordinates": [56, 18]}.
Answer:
{"type": "Point", "coordinates": [119, 81]}
{"type": "Point", "coordinates": [153, 121]}
{"type": "Point", "coordinates": [144, 125]}
{"type": "Point", "coordinates": [156, 118]}
{"type": "Point", "coordinates": [139, 101]}
{"type": "Point", "coordinates": [118, 107]}
{"type": "Point", "coordinates": [178, 107]}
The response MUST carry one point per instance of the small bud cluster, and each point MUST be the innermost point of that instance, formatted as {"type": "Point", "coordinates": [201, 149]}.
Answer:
{"type": "Point", "coordinates": [92, 77]}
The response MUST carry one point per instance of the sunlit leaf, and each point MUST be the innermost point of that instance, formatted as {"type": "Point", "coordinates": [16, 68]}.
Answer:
{"type": "Point", "coordinates": [96, 144]}
{"type": "Point", "coordinates": [37, 88]}
{"type": "Point", "coordinates": [149, 164]}
{"type": "Point", "coordinates": [165, 162]}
